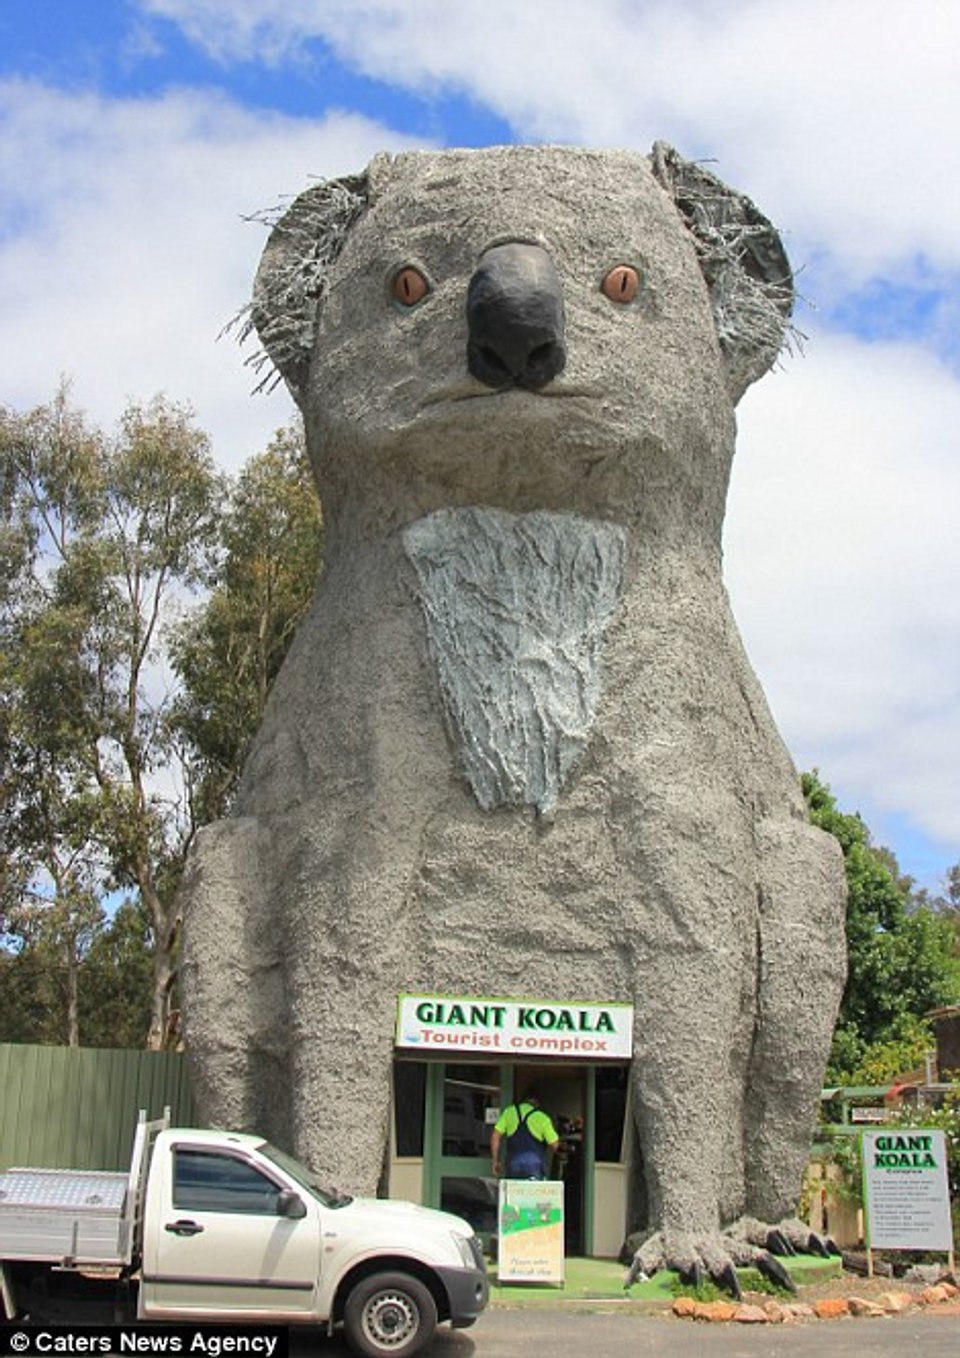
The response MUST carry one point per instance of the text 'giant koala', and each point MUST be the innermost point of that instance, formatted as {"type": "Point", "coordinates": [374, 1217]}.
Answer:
{"type": "Point", "coordinates": [517, 747]}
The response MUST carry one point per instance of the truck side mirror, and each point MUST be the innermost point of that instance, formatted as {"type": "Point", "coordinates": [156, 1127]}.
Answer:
{"type": "Point", "coordinates": [290, 1204]}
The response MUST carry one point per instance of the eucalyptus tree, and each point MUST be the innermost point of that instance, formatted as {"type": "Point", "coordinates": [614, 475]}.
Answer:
{"type": "Point", "coordinates": [228, 651]}
{"type": "Point", "coordinates": [111, 534]}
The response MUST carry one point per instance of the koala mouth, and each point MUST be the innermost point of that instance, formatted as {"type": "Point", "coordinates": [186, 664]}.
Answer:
{"type": "Point", "coordinates": [470, 391]}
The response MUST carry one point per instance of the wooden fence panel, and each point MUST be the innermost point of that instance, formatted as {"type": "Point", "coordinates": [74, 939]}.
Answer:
{"type": "Point", "coordinates": [76, 1107]}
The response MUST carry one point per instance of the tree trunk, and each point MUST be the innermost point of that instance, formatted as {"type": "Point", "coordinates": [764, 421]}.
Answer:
{"type": "Point", "coordinates": [164, 1032]}
{"type": "Point", "coordinates": [73, 1005]}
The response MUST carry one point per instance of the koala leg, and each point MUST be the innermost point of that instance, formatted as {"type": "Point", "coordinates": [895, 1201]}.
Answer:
{"type": "Point", "coordinates": [802, 968]}
{"type": "Point", "coordinates": [232, 983]}
{"type": "Point", "coordinates": [344, 935]}
{"type": "Point", "coordinates": [696, 960]}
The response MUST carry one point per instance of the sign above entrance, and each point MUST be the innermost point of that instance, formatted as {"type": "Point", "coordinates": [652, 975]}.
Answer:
{"type": "Point", "coordinates": [542, 1028]}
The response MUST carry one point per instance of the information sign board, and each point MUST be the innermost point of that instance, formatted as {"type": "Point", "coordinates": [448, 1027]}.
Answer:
{"type": "Point", "coordinates": [530, 1237]}
{"type": "Point", "coordinates": [905, 1192]}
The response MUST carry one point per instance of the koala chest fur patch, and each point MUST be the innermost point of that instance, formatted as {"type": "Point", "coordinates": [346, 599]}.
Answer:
{"type": "Point", "coordinates": [516, 607]}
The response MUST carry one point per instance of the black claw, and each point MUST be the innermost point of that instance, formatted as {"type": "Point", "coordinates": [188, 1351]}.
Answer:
{"type": "Point", "coordinates": [726, 1279]}
{"type": "Point", "coordinates": [692, 1276]}
{"type": "Point", "coordinates": [818, 1246]}
{"type": "Point", "coordinates": [833, 1249]}
{"type": "Point", "coordinates": [633, 1273]}
{"type": "Point", "coordinates": [777, 1243]}
{"type": "Point", "coordinates": [773, 1269]}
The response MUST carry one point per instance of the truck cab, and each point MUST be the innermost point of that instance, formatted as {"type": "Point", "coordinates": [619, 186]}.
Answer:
{"type": "Point", "coordinates": [228, 1228]}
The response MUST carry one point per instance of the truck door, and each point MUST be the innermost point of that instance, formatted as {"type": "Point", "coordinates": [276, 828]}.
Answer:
{"type": "Point", "coordinates": [226, 1248]}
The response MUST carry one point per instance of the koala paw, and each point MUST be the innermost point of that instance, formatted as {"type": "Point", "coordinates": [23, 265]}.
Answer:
{"type": "Point", "coordinates": [694, 1257]}
{"type": "Point", "coordinates": [718, 1256]}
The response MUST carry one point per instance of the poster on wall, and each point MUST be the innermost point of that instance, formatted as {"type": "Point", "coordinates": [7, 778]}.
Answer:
{"type": "Point", "coordinates": [530, 1236]}
{"type": "Point", "coordinates": [905, 1192]}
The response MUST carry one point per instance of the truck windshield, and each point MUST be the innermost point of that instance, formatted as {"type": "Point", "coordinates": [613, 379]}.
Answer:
{"type": "Point", "coordinates": [330, 1197]}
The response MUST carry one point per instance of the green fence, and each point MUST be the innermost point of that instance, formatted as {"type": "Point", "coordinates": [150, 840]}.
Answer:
{"type": "Point", "coordinates": [76, 1107]}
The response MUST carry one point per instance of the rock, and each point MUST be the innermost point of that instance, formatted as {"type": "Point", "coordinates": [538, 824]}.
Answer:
{"type": "Point", "coordinates": [931, 1295]}
{"type": "Point", "coordinates": [775, 1312]}
{"type": "Point", "coordinates": [859, 1306]}
{"type": "Point", "coordinates": [715, 1311]}
{"type": "Point", "coordinates": [895, 1302]}
{"type": "Point", "coordinates": [684, 1307]}
{"type": "Point", "coordinates": [829, 1308]}
{"type": "Point", "coordinates": [922, 1273]}
{"type": "Point", "coordinates": [750, 1315]}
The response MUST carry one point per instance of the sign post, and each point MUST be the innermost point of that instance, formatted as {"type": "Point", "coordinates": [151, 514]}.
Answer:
{"type": "Point", "coordinates": [906, 1197]}
{"type": "Point", "coordinates": [530, 1235]}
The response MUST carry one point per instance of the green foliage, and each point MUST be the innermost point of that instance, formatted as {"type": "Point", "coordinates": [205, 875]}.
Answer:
{"type": "Point", "coordinates": [113, 980]}
{"type": "Point", "coordinates": [105, 770]}
{"type": "Point", "coordinates": [107, 533]}
{"type": "Point", "coordinates": [116, 980]}
{"type": "Point", "coordinates": [946, 1118]}
{"type": "Point", "coordinates": [230, 651]}
{"type": "Point", "coordinates": [902, 957]}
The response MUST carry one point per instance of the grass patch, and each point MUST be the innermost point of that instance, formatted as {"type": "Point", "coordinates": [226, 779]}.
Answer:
{"type": "Point", "coordinates": [752, 1280]}
{"type": "Point", "coordinates": [705, 1291]}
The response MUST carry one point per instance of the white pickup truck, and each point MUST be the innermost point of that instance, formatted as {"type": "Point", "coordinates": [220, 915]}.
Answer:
{"type": "Point", "coordinates": [217, 1226]}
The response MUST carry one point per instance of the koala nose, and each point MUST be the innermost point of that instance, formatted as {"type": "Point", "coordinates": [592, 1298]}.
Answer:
{"type": "Point", "coordinates": [515, 318]}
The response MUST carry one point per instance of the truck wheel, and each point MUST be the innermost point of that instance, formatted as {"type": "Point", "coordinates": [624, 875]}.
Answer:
{"type": "Point", "coordinates": [389, 1313]}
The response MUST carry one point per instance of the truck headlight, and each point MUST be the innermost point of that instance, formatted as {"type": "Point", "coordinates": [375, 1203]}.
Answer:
{"type": "Point", "coordinates": [468, 1247]}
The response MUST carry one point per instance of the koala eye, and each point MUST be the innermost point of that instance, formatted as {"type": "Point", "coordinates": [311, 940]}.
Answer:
{"type": "Point", "coordinates": [409, 286]}
{"type": "Point", "coordinates": [621, 284]}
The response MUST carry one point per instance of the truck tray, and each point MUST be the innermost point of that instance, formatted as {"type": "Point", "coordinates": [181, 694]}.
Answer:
{"type": "Point", "coordinates": [68, 1216]}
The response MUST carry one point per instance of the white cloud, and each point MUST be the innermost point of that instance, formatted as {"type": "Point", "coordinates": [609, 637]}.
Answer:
{"type": "Point", "coordinates": [123, 251]}
{"type": "Point", "coordinates": [843, 563]}
{"type": "Point", "coordinates": [834, 116]}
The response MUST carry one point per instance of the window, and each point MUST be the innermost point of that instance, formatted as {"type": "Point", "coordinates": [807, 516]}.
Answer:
{"type": "Point", "coordinates": [205, 1181]}
{"type": "Point", "coordinates": [409, 1086]}
{"type": "Point", "coordinates": [610, 1105]}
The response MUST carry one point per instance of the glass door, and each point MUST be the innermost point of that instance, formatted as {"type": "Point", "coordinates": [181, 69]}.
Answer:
{"type": "Point", "coordinates": [463, 1103]}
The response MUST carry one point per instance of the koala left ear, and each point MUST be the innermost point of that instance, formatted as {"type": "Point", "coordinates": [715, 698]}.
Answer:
{"type": "Point", "coordinates": [292, 277]}
{"type": "Point", "coordinates": [743, 261]}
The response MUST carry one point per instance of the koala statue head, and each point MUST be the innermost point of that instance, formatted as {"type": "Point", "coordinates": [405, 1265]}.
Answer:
{"type": "Point", "coordinates": [529, 326]}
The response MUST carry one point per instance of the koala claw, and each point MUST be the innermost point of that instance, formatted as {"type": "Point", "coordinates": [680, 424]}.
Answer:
{"type": "Point", "coordinates": [788, 1237]}
{"type": "Point", "coordinates": [777, 1243]}
{"type": "Point", "coordinates": [772, 1269]}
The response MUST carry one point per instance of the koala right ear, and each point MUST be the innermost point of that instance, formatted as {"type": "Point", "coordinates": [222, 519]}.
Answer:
{"type": "Point", "coordinates": [742, 260]}
{"type": "Point", "coordinates": [292, 277]}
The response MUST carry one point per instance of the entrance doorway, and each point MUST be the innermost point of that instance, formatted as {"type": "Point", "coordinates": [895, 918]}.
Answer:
{"type": "Point", "coordinates": [464, 1100]}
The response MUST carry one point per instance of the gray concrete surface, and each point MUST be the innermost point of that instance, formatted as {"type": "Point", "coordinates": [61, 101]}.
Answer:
{"type": "Point", "coordinates": [550, 1334]}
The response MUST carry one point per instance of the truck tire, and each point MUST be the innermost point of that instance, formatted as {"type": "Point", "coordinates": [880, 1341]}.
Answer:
{"type": "Point", "coordinates": [389, 1314]}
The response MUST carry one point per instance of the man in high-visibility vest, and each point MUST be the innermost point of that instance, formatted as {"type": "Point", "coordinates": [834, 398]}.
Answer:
{"type": "Point", "coordinates": [528, 1137]}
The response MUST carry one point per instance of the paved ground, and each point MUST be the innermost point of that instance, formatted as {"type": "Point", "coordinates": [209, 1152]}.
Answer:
{"type": "Point", "coordinates": [555, 1334]}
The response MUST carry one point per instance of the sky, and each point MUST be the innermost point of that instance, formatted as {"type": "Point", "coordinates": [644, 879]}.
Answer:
{"type": "Point", "coordinates": [139, 137]}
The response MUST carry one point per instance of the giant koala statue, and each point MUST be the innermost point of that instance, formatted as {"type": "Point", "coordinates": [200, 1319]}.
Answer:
{"type": "Point", "coordinates": [517, 747]}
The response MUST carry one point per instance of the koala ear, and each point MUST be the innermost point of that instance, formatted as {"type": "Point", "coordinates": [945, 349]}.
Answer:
{"type": "Point", "coordinates": [743, 261]}
{"type": "Point", "coordinates": [292, 277]}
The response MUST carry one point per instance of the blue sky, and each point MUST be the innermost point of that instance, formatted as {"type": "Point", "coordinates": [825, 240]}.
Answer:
{"type": "Point", "coordinates": [136, 135]}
